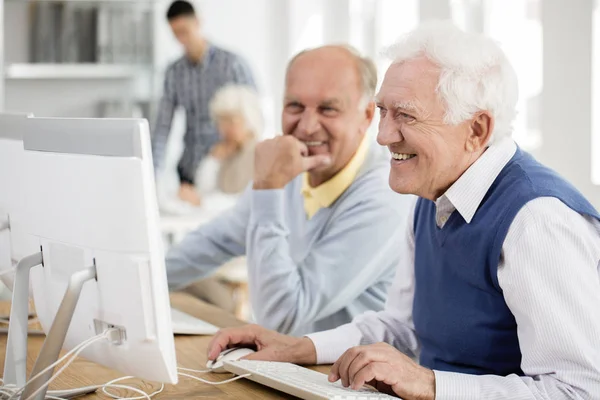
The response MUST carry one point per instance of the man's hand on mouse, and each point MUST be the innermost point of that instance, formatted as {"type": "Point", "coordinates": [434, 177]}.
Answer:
{"type": "Point", "coordinates": [270, 345]}
{"type": "Point", "coordinates": [279, 160]}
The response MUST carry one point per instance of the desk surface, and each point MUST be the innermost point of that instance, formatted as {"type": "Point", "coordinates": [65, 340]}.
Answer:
{"type": "Point", "coordinates": [191, 352]}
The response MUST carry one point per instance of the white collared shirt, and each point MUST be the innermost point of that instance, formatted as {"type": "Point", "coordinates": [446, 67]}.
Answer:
{"type": "Point", "coordinates": [549, 273]}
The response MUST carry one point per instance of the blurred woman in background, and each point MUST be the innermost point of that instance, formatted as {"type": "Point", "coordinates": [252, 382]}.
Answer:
{"type": "Point", "coordinates": [228, 169]}
{"type": "Point", "coordinates": [236, 112]}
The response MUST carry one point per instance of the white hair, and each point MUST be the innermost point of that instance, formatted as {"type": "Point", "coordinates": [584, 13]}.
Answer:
{"type": "Point", "coordinates": [239, 100]}
{"type": "Point", "coordinates": [475, 74]}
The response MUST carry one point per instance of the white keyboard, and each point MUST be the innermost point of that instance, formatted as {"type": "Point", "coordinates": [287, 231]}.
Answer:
{"type": "Point", "coordinates": [298, 381]}
{"type": "Point", "coordinates": [185, 324]}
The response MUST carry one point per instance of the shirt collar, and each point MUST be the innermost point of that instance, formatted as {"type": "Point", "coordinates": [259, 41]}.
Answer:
{"type": "Point", "coordinates": [466, 194]}
{"type": "Point", "coordinates": [326, 193]}
{"type": "Point", "coordinates": [206, 58]}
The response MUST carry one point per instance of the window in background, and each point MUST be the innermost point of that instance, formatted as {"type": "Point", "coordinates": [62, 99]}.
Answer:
{"type": "Point", "coordinates": [306, 24]}
{"type": "Point", "coordinates": [516, 25]}
{"type": "Point", "coordinates": [391, 19]}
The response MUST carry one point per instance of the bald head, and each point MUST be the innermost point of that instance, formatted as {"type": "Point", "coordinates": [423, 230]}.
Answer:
{"type": "Point", "coordinates": [340, 58]}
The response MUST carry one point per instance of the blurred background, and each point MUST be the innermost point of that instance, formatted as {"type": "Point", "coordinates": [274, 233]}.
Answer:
{"type": "Point", "coordinates": [107, 58]}
{"type": "Point", "coordinates": [81, 58]}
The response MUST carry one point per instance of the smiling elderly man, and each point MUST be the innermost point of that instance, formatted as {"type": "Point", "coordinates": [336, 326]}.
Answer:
{"type": "Point", "coordinates": [498, 291]}
{"type": "Point", "coordinates": [320, 245]}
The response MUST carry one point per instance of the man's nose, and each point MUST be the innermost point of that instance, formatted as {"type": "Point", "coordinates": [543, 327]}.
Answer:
{"type": "Point", "coordinates": [309, 123]}
{"type": "Point", "coordinates": [389, 132]}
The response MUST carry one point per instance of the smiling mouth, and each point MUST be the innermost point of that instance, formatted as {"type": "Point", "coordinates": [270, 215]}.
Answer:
{"type": "Point", "coordinates": [314, 143]}
{"type": "Point", "coordinates": [402, 156]}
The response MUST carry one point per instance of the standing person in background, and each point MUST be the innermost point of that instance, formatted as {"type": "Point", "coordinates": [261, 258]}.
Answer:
{"type": "Point", "coordinates": [191, 82]}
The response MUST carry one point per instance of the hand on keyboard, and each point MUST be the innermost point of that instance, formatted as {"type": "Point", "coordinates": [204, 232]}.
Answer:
{"type": "Point", "coordinates": [300, 382]}
{"type": "Point", "coordinates": [270, 345]}
{"type": "Point", "coordinates": [383, 364]}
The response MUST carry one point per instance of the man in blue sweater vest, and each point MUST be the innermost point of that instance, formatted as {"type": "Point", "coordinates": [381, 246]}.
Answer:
{"type": "Point", "coordinates": [319, 226]}
{"type": "Point", "coordinates": [497, 295]}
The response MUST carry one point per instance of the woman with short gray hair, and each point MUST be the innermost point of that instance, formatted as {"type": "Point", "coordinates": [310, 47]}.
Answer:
{"type": "Point", "coordinates": [235, 110]}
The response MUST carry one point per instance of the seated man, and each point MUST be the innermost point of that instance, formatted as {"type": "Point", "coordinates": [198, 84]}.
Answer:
{"type": "Point", "coordinates": [498, 290]}
{"type": "Point", "coordinates": [321, 245]}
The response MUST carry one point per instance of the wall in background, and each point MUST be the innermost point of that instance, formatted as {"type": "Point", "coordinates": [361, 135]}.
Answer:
{"type": "Point", "coordinates": [557, 99]}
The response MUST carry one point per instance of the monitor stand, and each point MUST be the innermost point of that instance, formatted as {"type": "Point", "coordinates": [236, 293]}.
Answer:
{"type": "Point", "coordinates": [16, 347]}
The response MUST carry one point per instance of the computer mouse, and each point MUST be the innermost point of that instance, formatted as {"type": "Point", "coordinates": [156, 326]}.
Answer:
{"type": "Point", "coordinates": [232, 354]}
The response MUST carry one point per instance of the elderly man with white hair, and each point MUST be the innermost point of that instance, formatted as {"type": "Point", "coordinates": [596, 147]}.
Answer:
{"type": "Point", "coordinates": [498, 290]}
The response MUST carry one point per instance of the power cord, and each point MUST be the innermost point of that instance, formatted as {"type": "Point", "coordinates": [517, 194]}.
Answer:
{"type": "Point", "coordinates": [204, 371]}
{"type": "Point", "coordinates": [144, 395]}
{"type": "Point", "coordinates": [75, 352]}
{"type": "Point", "coordinates": [12, 392]}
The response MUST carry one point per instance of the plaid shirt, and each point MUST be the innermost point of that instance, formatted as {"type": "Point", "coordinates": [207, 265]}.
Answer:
{"type": "Point", "coordinates": [192, 86]}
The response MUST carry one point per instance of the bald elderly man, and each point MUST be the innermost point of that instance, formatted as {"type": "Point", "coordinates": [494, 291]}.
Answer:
{"type": "Point", "coordinates": [319, 225]}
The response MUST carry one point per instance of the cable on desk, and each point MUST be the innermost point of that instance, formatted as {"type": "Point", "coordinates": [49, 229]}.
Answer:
{"type": "Point", "coordinates": [198, 371]}
{"type": "Point", "coordinates": [12, 392]}
{"type": "Point", "coordinates": [214, 383]}
{"type": "Point", "coordinates": [144, 395]}
{"type": "Point", "coordinates": [74, 352]}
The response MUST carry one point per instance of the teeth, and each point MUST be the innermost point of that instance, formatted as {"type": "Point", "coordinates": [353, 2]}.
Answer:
{"type": "Point", "coordinates": [313, 143]}
{"type": "Point", "coordinates": [402, 156]}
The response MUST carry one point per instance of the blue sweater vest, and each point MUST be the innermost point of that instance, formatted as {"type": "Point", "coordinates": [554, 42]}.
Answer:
{"type": "Point", "coordinates": [460, 316]}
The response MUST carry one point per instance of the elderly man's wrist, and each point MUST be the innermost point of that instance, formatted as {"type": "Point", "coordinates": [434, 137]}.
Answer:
{"type": "Point", "coordinates": [428, 390]}
{"type": "Point", "coordinates": [304, 352]}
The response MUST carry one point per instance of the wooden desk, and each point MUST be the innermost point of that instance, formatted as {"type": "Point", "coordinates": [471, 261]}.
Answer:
{"type": "Point", "coordinates": [191, 353]}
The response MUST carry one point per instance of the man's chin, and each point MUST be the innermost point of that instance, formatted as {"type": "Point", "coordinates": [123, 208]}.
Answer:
{"type": "Point", "coordinates": [320, 168]}
{"type": "Point", "coordinates": [318, 150]}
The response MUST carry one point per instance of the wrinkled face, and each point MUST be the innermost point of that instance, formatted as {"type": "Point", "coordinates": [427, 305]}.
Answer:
{"type": "Point", "coordinates": [186, 30]}
{"type": "Point", "coordinates": [322, 107]}
{"type": "Point", "coordinates": [232, 128]}
{"type": "Point", "coordinates": [428, 155]}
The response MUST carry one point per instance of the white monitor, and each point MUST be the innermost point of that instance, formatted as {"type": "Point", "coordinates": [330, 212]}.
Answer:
{"type": "Point", "coordinates": [89, 200]}
{"type": "Point", "coordinates": [11, 181]}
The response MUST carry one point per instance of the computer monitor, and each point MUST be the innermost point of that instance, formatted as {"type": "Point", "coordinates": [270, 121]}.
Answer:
{"type": "Point", "coordinates": [11, 171]}
{"type": "Point", "coordinates": [89, 203]}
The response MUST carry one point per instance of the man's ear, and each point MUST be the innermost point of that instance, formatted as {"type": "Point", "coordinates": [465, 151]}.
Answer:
{"type": "Point", "coordinates": [481, 129]}
{"type": "Point", "coordinates": [370, 111]}
{"type": "Point", "coordinates": [369, 114]}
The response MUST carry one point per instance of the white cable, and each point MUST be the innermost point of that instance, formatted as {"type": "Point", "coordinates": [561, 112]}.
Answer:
{"type": "Point", "coordinates": [4, 392]}
{"type": "Point", "coordinates": [214, 383]}
{"type": "Point", "coordinates": [82, 347]}
{"type": "Point", "coordinates": [13, 391]}
{"type": "Point", "coordinates": [72, 351]}
{"type": "Point", "coordinates": [9, 391]}
{"type": "Point", "coordinates": [198, 371]}
{"type": "Point", "coordinates": [145, 396]}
